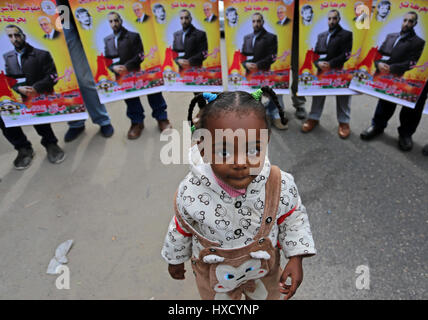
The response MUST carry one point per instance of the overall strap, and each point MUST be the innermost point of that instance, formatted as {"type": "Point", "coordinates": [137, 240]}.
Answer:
{"type": "Point", "coordinates": [204, 241]}
{"type": "Point", "coordinates": [272, 197]}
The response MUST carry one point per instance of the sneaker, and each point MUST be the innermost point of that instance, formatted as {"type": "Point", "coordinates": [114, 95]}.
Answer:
{"type": "Point", "coordinates": [107, 130]}
{"type": "Point", "coordinates": [301, 113]}
{"type": "Point", "coordinates": [55, 153]}
{"type": "Point", "coordinates": [278, 124]}
{"type": "Point", "coordinates": [73, 133]}
{"type": "Point", "coordinates": [24, 158]}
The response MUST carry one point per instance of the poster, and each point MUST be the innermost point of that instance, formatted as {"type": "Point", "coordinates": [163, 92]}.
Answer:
{"type": "Point", "coordinates": [330, 38]}
{"type": "Point", "coordinates": [188, 33]}
{"type": "Point", "coordinates": [37, 80]}
{"type": "Point", "coordinates": [394, 61]}
{"type": "Point", "coordinates": [120, 43]}
{"type": "Point", "coordinates": [258, 37]}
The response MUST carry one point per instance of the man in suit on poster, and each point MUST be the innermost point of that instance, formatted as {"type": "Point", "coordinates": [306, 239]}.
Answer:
{"type": "Point", "coordinates": [35, 73]}
{"type": "Point", "coordinates": [124, 47]}
{"type": "Point", "coordinates": [139, 13]}
{"type": "Point", "coordinates": [190, 43]}
{"type": "Point", "coordinates": [401, 51]}
{"type": "Point", "coordinates": [282, 17]}
{"type": "Point", "coordinates": [47, 27]}
{"type": "Point", "coordinates": [208, 11]}
{"type": "Point", "coordinates": [334, 47]}
{"type": "Point", "coordinates": [260, 47]}
{"type": "Point", "coordinates": [126, 50]}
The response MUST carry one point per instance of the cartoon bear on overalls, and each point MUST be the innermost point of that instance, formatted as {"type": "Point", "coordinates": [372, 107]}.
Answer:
{"type": "Point", "coordinates": [230, 278]}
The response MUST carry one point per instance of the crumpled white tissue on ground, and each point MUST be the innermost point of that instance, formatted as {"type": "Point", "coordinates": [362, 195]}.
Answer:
{"type": "Point", "coordinates": [60, 257]}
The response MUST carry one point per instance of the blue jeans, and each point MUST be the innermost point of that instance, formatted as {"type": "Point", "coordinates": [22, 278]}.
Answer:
{"type": "Point", "coordinates": [97, 111]}
{"type": "Point", "coordinates": [343, 107]}
{"type": "Point", "coordinates": [135, 110]}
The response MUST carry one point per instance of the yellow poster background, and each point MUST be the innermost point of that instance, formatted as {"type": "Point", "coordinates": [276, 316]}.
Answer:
{"type": "Point", "coordinates": [279, 75]}
{"type": "Point", "coordinates": [405, 89]}
{"type": "Point", "coordinates": [355, 17]}
{"type": "Point", "coordinates": [25, 14]}
{"type": "Point", "coordinates": [207, 78]}
{"type": "Point", "coordinates": [93, 42]}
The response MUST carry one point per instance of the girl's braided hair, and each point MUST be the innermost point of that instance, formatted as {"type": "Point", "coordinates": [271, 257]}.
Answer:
{"type": "Point", "coordinates": [235, 101]}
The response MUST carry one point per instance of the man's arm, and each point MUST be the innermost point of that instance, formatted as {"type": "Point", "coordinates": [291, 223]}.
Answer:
{"type": "Point", "coordinates": [271, 53]}
{"type": "Point", "coordinates": [382, 51]}
{"type": "Point", "coordinates": [137, 47]}
{"type": "Point", "coordinates": [345, 49]}
{"type": "Point", "coordinates": [412, 55]}
{"type": "Point", "coordinates": [202, 50]}
{"type": "Point", "coordinates": [50, 76]}
{"type": "Point", "coordinates": [107, 52]}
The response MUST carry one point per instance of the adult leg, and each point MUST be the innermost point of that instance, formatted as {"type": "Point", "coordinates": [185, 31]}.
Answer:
{"type": "Point", "coordinates": [384, 111]}
{"type": "Point", "coordinates": [159, 106]}
{"type": "Point", "coordinates": [315, 114]}
{"type": "Point", "coordinates": [298, 102]}
{"type": "Point", "coordinates": [273, 112]}
{"type": "Point", "coordinates": [135, 113]}
{"type": "Point", "coordinates": [96, 110]}
{"type": "Point", "coordinates": [409, 121]}
{"type": "Point", "coordinates": [50, 142]}
{"type": "Point", "coordinates": [17, 138]}
{"type": "Point", "coordinates": [343, 107]}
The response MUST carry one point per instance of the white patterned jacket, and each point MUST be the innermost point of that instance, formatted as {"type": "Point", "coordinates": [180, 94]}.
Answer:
{"type": "Point", "coordinates": [234, 222]}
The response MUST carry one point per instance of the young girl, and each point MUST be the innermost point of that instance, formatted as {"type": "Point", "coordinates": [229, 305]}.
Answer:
{"type": "Point", "coordinates": [232, 217]}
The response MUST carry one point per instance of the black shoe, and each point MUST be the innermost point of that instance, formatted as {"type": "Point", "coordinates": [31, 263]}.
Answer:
{"type": "Point", "coordinates": [24, 158]}
{"type": "Point", "coordinates": [55, 153]}
{"type": "Point", "coordinates": [107, 130]}
{"type": "Point", "coordinates": [300, 113]}
{"type": "Point", "coordinates": [370, 133]}
{"type": "Point", "coordinates": [425, 150]}
{"type": "Point", "coordinates": [405, 143]}
{"type": "Point", "coordinates": [73, 133]}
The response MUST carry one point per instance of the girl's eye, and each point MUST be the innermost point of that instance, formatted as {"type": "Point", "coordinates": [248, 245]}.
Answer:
{"type": "Point", "coordinates": [223, 154]}
{"type": "Point", "coordinates": [229, 276]}
{"type": "Point", "coordinates": [249, 269]}
{"type": "Point", "coordinates": [253, 152]}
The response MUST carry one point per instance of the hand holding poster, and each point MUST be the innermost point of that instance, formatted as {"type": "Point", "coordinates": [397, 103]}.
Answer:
{"type": "Point", "coordinates": [330, 37]}
{"type": "Point", "coordinates": [121, 47]}
{"type": "Point", "coordinates": [188, 34]}
{"type": "Point", "coordinates": [258, 38]}
{"type": "Point", "coordinates": [37, 80]}
{"type": "Point", "coordinates": [394, 60]}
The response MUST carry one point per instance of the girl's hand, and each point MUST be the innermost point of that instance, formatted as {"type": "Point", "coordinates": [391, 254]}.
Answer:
{"type": "Point", "coordinates": [176, 271]}
{"type": "Point", "coordinates": [294, 270]}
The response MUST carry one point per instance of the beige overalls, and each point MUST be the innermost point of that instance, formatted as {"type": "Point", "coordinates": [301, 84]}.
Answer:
{"type": "Point", "coordinates": [252, 270]}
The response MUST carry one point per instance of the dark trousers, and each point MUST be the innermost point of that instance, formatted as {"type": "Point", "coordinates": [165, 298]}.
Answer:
{"type": "Point", "coordinates": [135, 110]}
{"type": "Point", "coordinates": [17, 138]}
{"type": "Point", "coordinates": [409, 118]}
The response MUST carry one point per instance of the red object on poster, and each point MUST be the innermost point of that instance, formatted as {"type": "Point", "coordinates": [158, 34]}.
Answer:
{"type": "Point", "coordinates": [102, 69]}
{"type": "Point", "coordinates": [5, 85]}
{"type": "Point", "coordinates": [310, 58]}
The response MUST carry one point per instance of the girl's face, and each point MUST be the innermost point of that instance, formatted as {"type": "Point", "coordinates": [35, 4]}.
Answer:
{"type": "Point", "coordinates": [238, 154]}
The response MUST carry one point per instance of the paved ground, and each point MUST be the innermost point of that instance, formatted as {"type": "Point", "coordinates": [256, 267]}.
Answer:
{"type": "Point", "coordinates": [367, 204]}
